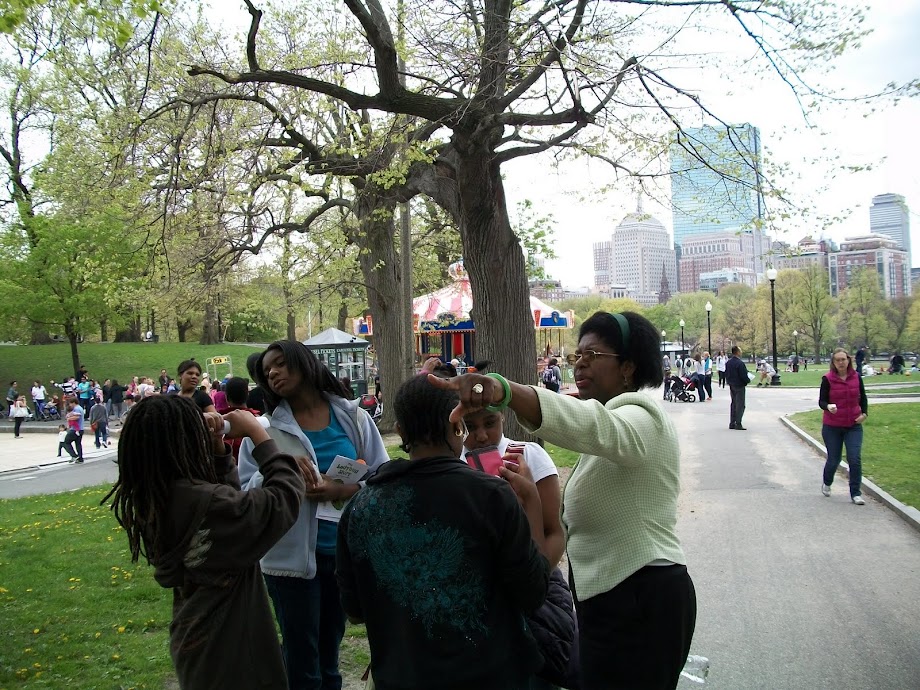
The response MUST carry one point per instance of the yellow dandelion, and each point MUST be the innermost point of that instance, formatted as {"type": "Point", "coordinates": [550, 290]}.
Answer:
{"type": "Point", "coordinates": [98, 635]}
{"type": "Point", "coordinates": [116, 657]}
{"type": "Point", "coordinates": [36, 631]}
{"type": "Point", "coordinates": [121, 629]}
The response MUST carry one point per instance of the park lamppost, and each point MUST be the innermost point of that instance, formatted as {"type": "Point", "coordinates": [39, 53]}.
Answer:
{"type": "Point", "coordinates": [795, 334]}
{"type": "Point", "coordinates": [771, 276]}
{"type": "Point", "coordinates": [663, 350]}
{"type": "Point", "coordinates": [681, 337]}
{"type": "Point", "coordinates": [708, 326]}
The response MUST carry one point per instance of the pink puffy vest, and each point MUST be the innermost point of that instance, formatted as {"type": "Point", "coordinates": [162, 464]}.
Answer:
{"type": "Point", "coordinates": [844, 394]}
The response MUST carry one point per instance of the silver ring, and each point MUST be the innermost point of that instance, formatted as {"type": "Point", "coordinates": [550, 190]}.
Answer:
{"type": "Point", "coordinates": [477, 388]}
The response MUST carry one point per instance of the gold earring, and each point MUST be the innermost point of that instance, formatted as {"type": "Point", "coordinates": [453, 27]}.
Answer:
{"type": "Point", "coordinates": [458, 432]}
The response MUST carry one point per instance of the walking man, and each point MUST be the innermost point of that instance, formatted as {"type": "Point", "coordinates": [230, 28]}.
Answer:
{"type": "Point", "coordinates": [74, 431]}
{"type": "Point", "coordinates": [736, 375]}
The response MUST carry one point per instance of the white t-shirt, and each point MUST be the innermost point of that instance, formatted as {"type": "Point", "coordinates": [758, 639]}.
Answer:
{"type": "Point", "coordinates": [721, 360]}
{"type": "Point", "coordinates": [39, 393]}
{"type": "Point", "coordinates": [538, 460]}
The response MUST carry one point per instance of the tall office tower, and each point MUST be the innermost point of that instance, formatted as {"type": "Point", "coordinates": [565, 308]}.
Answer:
{"type": "Point", "coordinates": [640, 250]}
{"type": "Point", "coordinates": [602, 277]}
{"type": "Point", "coordinates": [715, 185]}
{"type": "Point", "coordinates": [890, 216]}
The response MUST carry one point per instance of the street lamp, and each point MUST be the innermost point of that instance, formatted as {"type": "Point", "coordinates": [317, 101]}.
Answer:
{"type": "Point", "coordinates": [771, 276]}
{"type": "Point", "coordinates": [663, 350]}
{"type": "Point", "coordinates": [708, 326]}
{"type": "Point", "coordinates": [682, 336]}
{"type": "Point", "coordinates": [795, 334]}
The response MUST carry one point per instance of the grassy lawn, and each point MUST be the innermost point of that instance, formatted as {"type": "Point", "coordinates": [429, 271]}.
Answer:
{"type": "Point", "coordinates": [891, 446]}
{"type": "Point", "coordinates": [812, 377]}
{"type": "Point", "coordinates": [25, 363]}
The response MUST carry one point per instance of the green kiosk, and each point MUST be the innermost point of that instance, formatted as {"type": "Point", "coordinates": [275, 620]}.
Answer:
{"type": "Point", "coordinates": [344, 355]}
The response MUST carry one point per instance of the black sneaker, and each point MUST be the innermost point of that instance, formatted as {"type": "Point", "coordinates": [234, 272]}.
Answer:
{"type": "Point", "coordinates": [738, 427]}
{"type": "Point", "coordinates": [79, 461]}
{"type": "Point", "coordinates": [731, 426]}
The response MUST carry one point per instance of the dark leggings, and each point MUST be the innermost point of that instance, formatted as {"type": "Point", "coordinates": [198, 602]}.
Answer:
{"type": "Point", "coordinates": [721, 379]}
{"type": "Point", "coordinates": [17, 423]}
{"type": "Point", "coordinates": [638, 634]}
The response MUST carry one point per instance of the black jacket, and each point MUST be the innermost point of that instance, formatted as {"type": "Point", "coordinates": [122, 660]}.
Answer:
{"type": "Point", "coordinates": [736, 374]}
{"type": "Point", "coordinates": [437, 559]}
{"type": "Point", "coordinates": [556, 630]}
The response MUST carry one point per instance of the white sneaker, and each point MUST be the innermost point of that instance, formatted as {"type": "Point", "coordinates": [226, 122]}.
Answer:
{"type": "Point", "coordinates": [858, 500]}
{"type": "Point", "coordinates": [825, 489]}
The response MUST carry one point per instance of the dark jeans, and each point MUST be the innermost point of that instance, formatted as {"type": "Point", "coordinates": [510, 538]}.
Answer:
{"type": "Point", "coordinates": [707, 382]}
{"type": "Point", "coordinates": [74, 438]}
{"type": "Point", "coordinates": [102, 431]}
{"type": "Point", "coordinates": [638, 634]}
{"type": "Point", "coordinates": [721, 379]}
{"type": "Point", "coordinates": [17, 423]}
{"type": "Point", "coordinates": [737, 406]}
{"type": "Point", "coordinates": [835, 438]}
{"type": "Point", "coordinates": [312, 623]}
{"type": "Point", "coordinates": [700, 386]}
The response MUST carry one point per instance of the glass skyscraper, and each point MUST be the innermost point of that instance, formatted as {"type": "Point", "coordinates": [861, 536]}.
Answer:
{"type": "Point", "coordinates": [890, 216]}
{"type": "Point", "coordinates": [716, 185]}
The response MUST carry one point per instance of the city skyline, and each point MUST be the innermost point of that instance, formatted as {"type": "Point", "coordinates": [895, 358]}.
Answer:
{"type": "Point", "coordinates": [837, 159]}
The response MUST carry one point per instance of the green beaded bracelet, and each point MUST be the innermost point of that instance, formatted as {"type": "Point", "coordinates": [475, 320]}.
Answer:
{"type": "Point", "coordinates": [506, 400]}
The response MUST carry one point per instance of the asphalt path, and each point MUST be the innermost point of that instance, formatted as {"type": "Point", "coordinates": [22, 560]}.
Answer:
{"type": "Point", "coordinates": [795, 590]}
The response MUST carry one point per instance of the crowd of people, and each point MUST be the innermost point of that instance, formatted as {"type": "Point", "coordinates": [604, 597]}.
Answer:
{"type": "Point", "coordinates": [449, 567]}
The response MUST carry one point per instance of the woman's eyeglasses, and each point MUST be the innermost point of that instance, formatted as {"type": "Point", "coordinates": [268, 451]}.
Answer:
{"type": "Point", "coordinates": [587, 355]}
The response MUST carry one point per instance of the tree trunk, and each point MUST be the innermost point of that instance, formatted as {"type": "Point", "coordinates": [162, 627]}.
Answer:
{"type": "Point", "coordinates": [380, 267]}
{"type": "Point", "coordinates": [498, 279]}
{"type": "Point", "coordinates": [209, 331]}
{"type": "Point", "coordinates": [71, 334]}
{"type": "Point", "coordinates": [131, 334]}
{"type": "Point", "coordinates": [182, 329]}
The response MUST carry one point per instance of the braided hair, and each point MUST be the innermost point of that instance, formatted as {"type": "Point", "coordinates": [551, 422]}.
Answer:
{"type": "Point", "coordinates": [164, 439]}
{"type": "Point", "coordinates": [299, 357]}
{"type": "Point", "coordinates": [422, 411]}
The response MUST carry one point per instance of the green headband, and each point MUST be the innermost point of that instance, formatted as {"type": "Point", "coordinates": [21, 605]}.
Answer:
{"type": "Point", "coordinates": [624, 330]}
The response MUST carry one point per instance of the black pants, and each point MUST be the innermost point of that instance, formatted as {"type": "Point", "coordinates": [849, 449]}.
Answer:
{"type": "Point", "coordinates": [637, 635]}
{"type": "Point", "coordinates": [721, 379]}
{"type": "Point", "coordinates": [737, 406]}
{"type": "Point", "coordinates": [74, 438]}
{"type": "Point", "coordinates": [17, 424]}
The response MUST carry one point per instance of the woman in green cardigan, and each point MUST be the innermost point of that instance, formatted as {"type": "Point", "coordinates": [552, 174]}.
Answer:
{"type": "Point", "coordinates": [635, 601]}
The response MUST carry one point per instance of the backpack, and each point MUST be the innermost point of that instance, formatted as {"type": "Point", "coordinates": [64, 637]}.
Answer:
{"type": "Point", "coordinates": [549, 375]}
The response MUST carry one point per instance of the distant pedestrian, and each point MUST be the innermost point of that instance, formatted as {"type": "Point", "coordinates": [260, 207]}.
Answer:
{"type": "Point", "coordinates": [843, 399]}
{"type": "Point", "coordinates": [860, 359]}
{"type": "Point", "coordinates": [697, 376]}
{"type": "Point", "coordinates": [99, 423]}
{"type": "Point", "coordinates": [721, 361]}
{"type": "Point", "coordinates": [117, 397]}
{"type": "Point", "coordinates": [707, 374]}
{"type": "Point", "coordinates": [73, 443]}
{"type": "Point", "coordinates": [62, 438]}
{"type": "Point", "coordinates": [19, 412]}
{"type": "Point", "coordinates": [39, 395]}
{"type": "Point", "coordinates": [736, 375]}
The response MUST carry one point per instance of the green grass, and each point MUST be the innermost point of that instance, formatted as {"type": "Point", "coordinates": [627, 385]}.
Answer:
{"type": "Point", "coordinates": [25, 363]}
{"type": "Point", "coordinates": [812, 377]}
{"type": "Point", "coordinates": [891, 446]}
{"type": "Point", "coordinates": [895, 391]}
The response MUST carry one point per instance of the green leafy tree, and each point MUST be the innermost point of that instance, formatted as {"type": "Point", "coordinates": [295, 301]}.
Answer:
{"type": "Point", "coordinates": [812, 310]}
{"type": "Point", "coordinates": [863, 312]}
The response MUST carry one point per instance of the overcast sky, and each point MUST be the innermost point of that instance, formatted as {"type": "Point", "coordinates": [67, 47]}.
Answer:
{"type": "Point", "coordinates": [887, 139]}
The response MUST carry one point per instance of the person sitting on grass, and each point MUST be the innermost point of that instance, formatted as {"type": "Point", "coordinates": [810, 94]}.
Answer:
{"type": "Point", "coordinates": [178, 498]}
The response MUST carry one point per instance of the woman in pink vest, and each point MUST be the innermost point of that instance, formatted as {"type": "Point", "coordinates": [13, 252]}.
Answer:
{"type": "Point", "coordinates": [843, 399]}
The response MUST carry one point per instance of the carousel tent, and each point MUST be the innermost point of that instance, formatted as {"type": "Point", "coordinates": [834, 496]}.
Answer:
{"type": "Point", "coordinates": [445, 314]}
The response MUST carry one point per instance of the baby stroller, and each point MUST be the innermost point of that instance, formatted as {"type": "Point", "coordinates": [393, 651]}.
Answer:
{"type": "Point", "coordinates": [681, 390]}
{"type": "Point", "coordinates": [369, 404]}
{"type": "Point", "coordinates": [50, 411]}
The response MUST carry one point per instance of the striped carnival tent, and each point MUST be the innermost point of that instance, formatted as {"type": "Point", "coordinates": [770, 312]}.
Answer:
{"type": "Point", "coordinates": [442, 324]}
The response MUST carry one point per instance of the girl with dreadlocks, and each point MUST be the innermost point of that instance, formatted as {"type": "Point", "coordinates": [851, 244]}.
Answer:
{"type": "Point", "coordinates": [178, 497]}
{"type": "Point", "coordinates": [310, 415]}
{"type": "Point", "coordinates": [440, 560]}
